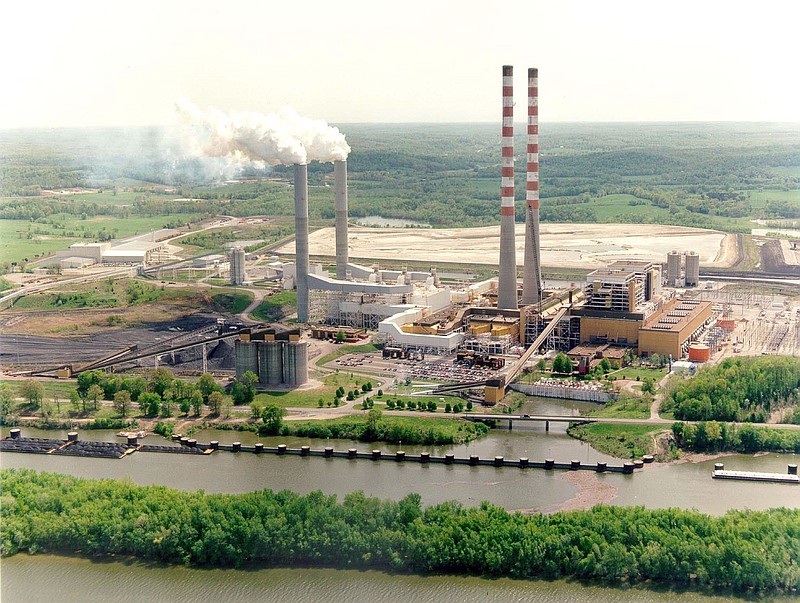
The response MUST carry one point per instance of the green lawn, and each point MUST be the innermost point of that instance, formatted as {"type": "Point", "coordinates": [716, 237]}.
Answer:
{"type": "Point", "coordinates": [277, 306]}
{"type": "Point", "coordinates": [232, 301]}
{"type": "Point", "coordinates": [20, 239]}
{"type": "Point", "coordinates": [639, 373]}
{"type": "Point", "coordinates": [62, 388]}
{"type": "Point", "coordinates": [343, 350]}
{"type": "Point", "coordinates": [310, 398]}
{"type": "Point", "coordinates": [626, 407]}
{"type": "Point", "coordinates": [621, 441]}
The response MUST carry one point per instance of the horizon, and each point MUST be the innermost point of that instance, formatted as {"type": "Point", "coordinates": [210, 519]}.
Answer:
{"type": "Point", "coordinates": [517, 124]}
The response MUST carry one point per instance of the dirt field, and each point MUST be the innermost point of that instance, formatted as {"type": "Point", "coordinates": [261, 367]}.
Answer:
{"type": "Point", "coordinates": [587, 246]}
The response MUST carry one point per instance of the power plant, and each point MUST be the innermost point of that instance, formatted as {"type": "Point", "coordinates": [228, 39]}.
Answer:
{"type": "Point", "coordinates": [621, 307]}
{"type": "Point", "coordinates": [618, 309]}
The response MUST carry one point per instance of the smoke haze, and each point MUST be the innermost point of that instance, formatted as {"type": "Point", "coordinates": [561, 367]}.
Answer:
{"type": "Point", "coordinates": [282, 138]}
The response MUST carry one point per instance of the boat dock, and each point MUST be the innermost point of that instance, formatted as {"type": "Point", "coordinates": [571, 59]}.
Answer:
{"type": "Point", "coordinates": [790, 477]}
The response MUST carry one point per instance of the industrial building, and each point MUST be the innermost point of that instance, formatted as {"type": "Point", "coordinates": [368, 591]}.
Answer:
{"type": "Point", "coordinates": [277, 358]}
{"type": "Point", "coordinates": [135, 250]}
{"type": "Point", "coordinates": [238, 276]}
{"type": "Point", "coordinates": [621, 307]}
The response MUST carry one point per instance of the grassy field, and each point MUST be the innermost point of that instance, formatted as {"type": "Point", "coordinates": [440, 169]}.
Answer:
{"type": "Point", "coordinates": [310, 398]}
{"type": "Point", "coordinates": [103, 294]}
{"type": "Point", "coordinates": [760, 199]}
{"type": "Point", "coordinates": [276, 307]}
{"type": "Point", "coordinates": [626, 407]}
{"type": "Point", "coordinates": [20, 239]}
{"type": "Point", "coordinates": [232, 301]}
{"type": "Point", "coordinates": [344, 349]}
{"type": "Point", "coordinates": [62, 388]}
{"type": "Point", "coordinates": [621, 441]}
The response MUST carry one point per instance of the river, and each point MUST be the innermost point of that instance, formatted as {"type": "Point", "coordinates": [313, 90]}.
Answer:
{"type": "Point", "coordinates": [49, 578]}
{"type": "Point", "coordinates": [685, 485]}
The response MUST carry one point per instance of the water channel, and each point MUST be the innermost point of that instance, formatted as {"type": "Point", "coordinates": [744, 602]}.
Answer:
{"type": "Point", "coordinates": [686, 485]}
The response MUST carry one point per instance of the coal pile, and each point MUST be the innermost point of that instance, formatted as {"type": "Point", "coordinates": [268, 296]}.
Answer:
{"type": "Point", "coordinates": [170, 449]}
{"type": "Point", "coordinates": [104, 450]}
{"type": "Point", "coordinates": [30, 445]}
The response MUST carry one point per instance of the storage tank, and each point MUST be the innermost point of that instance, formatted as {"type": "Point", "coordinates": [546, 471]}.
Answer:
{"type": "Point", "coordinates": [673, 268]}
{"type": "Point", "coordinates": [246, 358]}
{"type": "Point", "coordinates": [692, 269]}
{"type": "Point", "coordinates": [273, 355]}
{"type": "Point", "coordinates": [295, 363]}
{"type": "Point", "coordinates": [238, 276]}
{"type": "Point", "coordinates": [699, 352]}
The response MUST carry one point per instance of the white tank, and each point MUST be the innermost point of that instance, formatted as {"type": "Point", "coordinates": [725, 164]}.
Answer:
{"type": "Point", "coordinates": [692, 269]}
{"type": "Point", "coordinates": [673, 268]}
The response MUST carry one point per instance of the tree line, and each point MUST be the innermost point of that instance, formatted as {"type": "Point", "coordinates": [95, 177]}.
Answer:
{"type": "Point", "coordinates": [712, 436]}
{"type": "Point", "coordinates": [737, 389]}
{"type": "Point", "coordinates": [739, 550]}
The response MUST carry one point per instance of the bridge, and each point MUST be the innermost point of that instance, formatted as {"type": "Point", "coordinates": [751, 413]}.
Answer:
{"type": "Point", "coordinates": [546, 419]}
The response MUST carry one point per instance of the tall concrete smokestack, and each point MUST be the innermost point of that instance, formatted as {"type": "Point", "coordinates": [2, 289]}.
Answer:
{"type": "Point", "coordinates": [340, 178]}
{"type": "Point", "coordinates": [507, 281]}
{"type": "Point", "coordinates": [301, 239]}
{"type": "Point", "coordinates": [532, 271]}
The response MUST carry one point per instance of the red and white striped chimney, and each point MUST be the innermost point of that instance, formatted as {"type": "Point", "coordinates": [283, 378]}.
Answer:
{"type": "Point", "coordinates": [507, 279]}
{"type": "Point", "coordinates": [532, 270]}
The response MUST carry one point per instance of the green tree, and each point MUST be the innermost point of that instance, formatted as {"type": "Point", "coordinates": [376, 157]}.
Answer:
{"type": "Point", "coordinates": [207, 386]}
{"type": "Point", "coordinates": [431, 406]}
{"type": "Point", "coordinates": [649, 385]}
{"type": "Point", "coordinates": [186, 404]}
{"type": "Point", "coordinates": [219, 404]}
{"type": "Point", "coordinates": [77, 402]}
{"type": "Point", "coordinates": [196, 402]}
{"type": "Point", "coordinates": [33, 392]}
{"type": "Point", "coordinates": [6, 401]}
{"type": "Point", "coordinates": [562, 364]}
{"type": "Point", "coordinates": [340, 336]}
{"type": "Point", "coordinates": [167, 402]}
{"type": "Point", "coordinates": [95, 393]}
{"type": "Point", "coordinates": [541, 364]}
{"type": "Point", "coordinates": [374, 417]}
{"type": "Point", "coordinates": [160, 380]}
{"type": "Point", "coordinates": [149, 404]}
{"type": "Point", "coordinates": [122, 402]}
{"type": "Point", "coordinates": [272, 416]}
{"type": "Point", "coordinates": [448, 407]}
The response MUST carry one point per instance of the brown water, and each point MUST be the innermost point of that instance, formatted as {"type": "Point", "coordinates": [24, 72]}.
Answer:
{"type": "Point", "coordinates": [49, 578]}
{"type": "Point", "coordinates": [52, 578]}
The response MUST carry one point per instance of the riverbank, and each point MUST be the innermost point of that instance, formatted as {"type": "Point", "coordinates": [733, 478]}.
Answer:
{"type": "Point", "coordinates": [739, 550]}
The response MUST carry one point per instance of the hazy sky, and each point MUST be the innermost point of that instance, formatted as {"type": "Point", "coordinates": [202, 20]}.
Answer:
{"type": "Point", "coordinates": [79, 62]}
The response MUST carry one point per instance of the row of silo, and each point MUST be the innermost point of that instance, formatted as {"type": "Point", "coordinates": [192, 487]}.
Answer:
{"type": "Point", "coordinates": [277, 359]}
{"type": "Point", "coordinates": [691, 271]}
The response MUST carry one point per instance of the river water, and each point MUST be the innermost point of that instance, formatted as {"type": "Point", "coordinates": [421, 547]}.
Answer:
{"type": "Point", "coordinates": [687, 485]}
{"type": "Point", "coordinates": [49, 578]}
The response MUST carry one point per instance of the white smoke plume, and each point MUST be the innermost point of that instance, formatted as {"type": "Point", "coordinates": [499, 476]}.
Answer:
{"type": "Point", "coordinates": [282, 138]}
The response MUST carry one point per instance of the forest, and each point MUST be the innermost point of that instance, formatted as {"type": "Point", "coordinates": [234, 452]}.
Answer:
{"type": "Point", "coordinates": [444, 175]}
{"type": "Point", "coordinates": [740, 550]}
{"type": "Point", "coordinates": [712, 436]}
{"type": "Point", "coordinates": [737, 389]}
